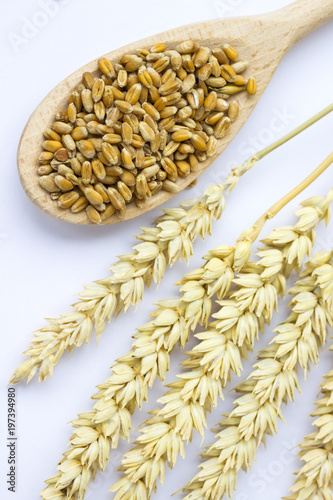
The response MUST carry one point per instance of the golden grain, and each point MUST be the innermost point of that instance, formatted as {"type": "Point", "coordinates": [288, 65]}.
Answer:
{"type": "Point", "coordinates": [116, 199]}
{"type": "Point", "coordinates": [233, 111]}
{"type": "Point", "coordinates": [98, 169]}
{"type": "Point", "coordinates": [93, 215]}
{"type": "Point", "coordinates": [62, 183]}
{"type": "Point", "coordinates": [66, 200]}
{"type": "Point", "coordinates": [160, 102]}
{"type": "Point", "coordinates": [251, 86]}
{"type": "Point", "coordinates": [88, 80]}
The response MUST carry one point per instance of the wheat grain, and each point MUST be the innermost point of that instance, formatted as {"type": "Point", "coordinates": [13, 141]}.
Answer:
{"type": "Point", "coordinates": [273, 381]}
{"type": "Point", "coordinates": [127, 100]}
{"type": "Point", "coordinates": [219, 353]}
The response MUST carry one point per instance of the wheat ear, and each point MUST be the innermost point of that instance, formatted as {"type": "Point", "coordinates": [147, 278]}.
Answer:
{"type": "Point", "coordinates": [219, 352]}
{"type": "Point", "coordinates": [315, 479]}
{"type": "Point", "coordinates": [273, 381]}
{"type": "Point", "coordinates": [169, 240]}
{"type": "Point", "coordinates": [99, 430]}
{"type": "Point", "coordinates": [132, 375]}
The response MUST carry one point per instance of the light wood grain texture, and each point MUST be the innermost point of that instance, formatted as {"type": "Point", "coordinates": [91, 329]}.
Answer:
{"type": "Point", "coordinates": [261, 40]}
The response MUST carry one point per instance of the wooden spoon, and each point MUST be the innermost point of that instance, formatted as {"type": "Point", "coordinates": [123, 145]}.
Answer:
{"type": "Point", "coordinates": [261, 40]}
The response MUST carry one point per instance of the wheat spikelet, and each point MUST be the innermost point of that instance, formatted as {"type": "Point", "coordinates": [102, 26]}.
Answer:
{"type": "Point", "coordinates": [315, 479]}
{"type": "Point", "coordinates": [219, 353]}
{"type": "Point", "coordinates": [273, 381]}
{"type": "Point", "coordinates": [169, 240]}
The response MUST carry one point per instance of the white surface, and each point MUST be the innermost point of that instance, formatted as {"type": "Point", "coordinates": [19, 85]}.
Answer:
{"type": "Point", "coordinates": [44, 262]}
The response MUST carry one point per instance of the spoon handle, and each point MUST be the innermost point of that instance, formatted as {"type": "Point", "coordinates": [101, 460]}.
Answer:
{"type": "Point", "coordinates": [304, 16]}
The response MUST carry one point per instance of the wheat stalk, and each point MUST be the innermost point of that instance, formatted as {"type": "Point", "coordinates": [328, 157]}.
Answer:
{"type": "Point", "coordinates": [172, 322]}
{"type": "Point", "coordinates": [169, 240]}
{"type": "Point", "coordinates": [315, 479]}
{"type": "Point", "coordinates": [273, 381]}
{"type": "Point", "coordinates": [219, 353]}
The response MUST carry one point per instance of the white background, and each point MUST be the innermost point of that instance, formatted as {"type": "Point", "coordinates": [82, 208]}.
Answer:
{"type": "Point", "coordinates": [44, 262]}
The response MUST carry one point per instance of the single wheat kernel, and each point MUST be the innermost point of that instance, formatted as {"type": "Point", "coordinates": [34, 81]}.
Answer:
{"type": "Point", "coordinates": [71, 112]}
{"type": "Point", "coordinates": [87, 100]}
{"type": "Point", "coordinates": [98, 169]}
{"type": "Point", "coordinates": [240, 80]}
{"type": "Point", "coordinates": [52, 146]}
{"type": "Point", "coordinates": [88, 80]}
{"type": "Point", "coordinates": [116, 199]}
{"type": "Point", "coordinates": [62, 183]}
{"type": "Point", "coordinates": [198, 142]}
{"type": "Point", "coordinates": [45, 157]}
{"type": "Point", "coordinates": [110, 210]}
{"type": "Point", "coordinates": [79, 133]}
{"type": "Point", "coordinates": [182, 135]}
{"type": "Point", "coordinates": [222, 127]}
{"type": "Point", "coordinates": [228, 73]}
{"type": "Point", "coordinates": [233, 89]}
{"type": "Point", "coordinates": [170, 186]}
{"type": "Point", "coordinates": [230, 51]}
{"type": "Point", "coordinates": [66, 200]}
{"type": "Point", "coordinates": [233, 111]}
{"type": "Point", "coordinates": [102, 190]}
{"type": "Point", "coordinates": [64, 170]}
{"type": "Point", "coordinates": [125, 191]}
{"type": "Point", "coordinates": [93, 215]}
{"type": "Point", "coordinates": [80, 204]}
{"type": "Point", "coordinates": [44, 169]}
{"type": "Point", "coordinates": [69, 142]}
{"type": "Point", "coordinates": [106, 67]}
{"type": "Point", "coordinates": [93, 196]}
{"type": "Point", "coordinates": [220, 55]}
{"type": "Point", "coordinates": [51, 135]}
{"type": "Point", "coordinates": [62, 116]}
{"type": "Point", "coordinates": [240, 66]}
{"type": "Point", "coordinates": [98, 90]}
{"type": "Point", "coordinates": [251, 86]}
{"type": "Point", "coordinates": [48, 183]}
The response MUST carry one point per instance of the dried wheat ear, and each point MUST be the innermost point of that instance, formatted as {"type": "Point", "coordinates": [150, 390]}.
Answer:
{"type": "Point", "coordinates": [99, 430]}
{"type": "Point", "coordinates": [209, 367]}
{"type": "Point", "coordinates": [274, 381]}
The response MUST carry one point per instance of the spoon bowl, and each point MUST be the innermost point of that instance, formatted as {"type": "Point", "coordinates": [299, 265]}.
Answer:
{"type": "Point", "coordinates": [260, 40]}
